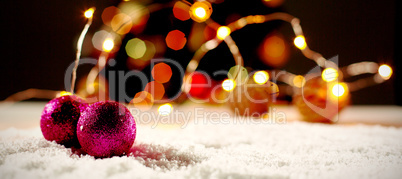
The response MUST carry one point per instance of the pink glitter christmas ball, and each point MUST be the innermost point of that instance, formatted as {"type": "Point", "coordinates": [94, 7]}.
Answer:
{"type": "Point", "coordinates": [59, 119]}
{"type": "Point", "coordinates": [106, 129]}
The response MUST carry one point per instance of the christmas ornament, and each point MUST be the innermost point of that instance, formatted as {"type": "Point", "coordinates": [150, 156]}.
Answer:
{"type": "Point", "coordinates": [321, 101]}
{"type": "Point", "coordinates": [253, 98]}
{"type": "Point", "coordinates": [106, 129]}
{"type": "Point", "coordinates": [59, 119]}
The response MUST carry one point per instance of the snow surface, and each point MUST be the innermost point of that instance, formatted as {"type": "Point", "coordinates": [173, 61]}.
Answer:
{"type": "Point", "coordinates": [291, 150]}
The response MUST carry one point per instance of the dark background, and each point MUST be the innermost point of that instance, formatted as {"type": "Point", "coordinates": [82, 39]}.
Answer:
{"type": "Point", "coordinates": [38, 39]}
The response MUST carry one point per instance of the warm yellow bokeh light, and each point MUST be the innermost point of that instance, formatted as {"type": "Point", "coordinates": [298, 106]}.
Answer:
{"type": "Point", "coordinates": [200, 12]}
{"type": "Point", "coordinates": [339, 89]}
{"type": "Point", "coordinates": [89, 13]}
{"type": "Point", "coordinates": [329, 74]}
{"type": "Point", "coordinates": [65, 93]}
{"type": "Point", "coordinates": [165, 109]}
{"type": "Point", "coordinates": [299, 81]}
{"type": "Point", "coordinates": [261, 77]}
{"type": "Point", "coordinates": [228, 85]}
{"type": "Point", "coordinates": [385, 71]}
{"type": "Point", "coordinates": [239, 74]}
{"type": "Point", "coordinates": [108, 45]}
{"type": "Point", "coordinates": [223, 32]}
{"type": "Point", "coordinates": [136, 48]}
{"type": "Point", "coordinates": [300, 42]}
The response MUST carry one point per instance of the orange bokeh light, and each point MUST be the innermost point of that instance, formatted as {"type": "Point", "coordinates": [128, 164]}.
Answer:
{"type": "Point", "coordinates": [273, 3]}
{"type": "Point", "coordinates": [176, 39]}
{"type": "Point", "coordinates": [156, 89]}
{"type": "Point", "coordinates": [200, 11]}
{"type": "Point", "coordinates": [274, 51]}
{"type": "Point", "coordinates": [180, 11]}
{"type": "Point", "coordinates": [121, 23]}
{"type": "Point", "coordinates": [108, 14]}
{"type": "Point", "coordinates": [143, 100]}
{"type": "Point", "coordinates": [161, 72]}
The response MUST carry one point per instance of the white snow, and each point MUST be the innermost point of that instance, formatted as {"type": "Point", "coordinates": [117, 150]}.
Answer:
{"type": "Point", "coordinates": [249, 150]}
{"type": "Point", "coordinates": [294, 150]}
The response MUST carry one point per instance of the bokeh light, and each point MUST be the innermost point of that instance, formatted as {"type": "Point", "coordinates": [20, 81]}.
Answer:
{"type": "Point", "coordinates": [137, 64]}
{"type": "Point", "coordinates": [165, 109]}
{"type": "Point", "coordinates": [241, 76]}
{"type": "Point", "coordinates": [89, 13]}
{"type": "Point", "coordinates": [180, 10]}
{"type": "Point", "coordinates": [261, 77]}
{"type": "Point", "coordinates": [176, 39]}
{"type": "Point", "coordinates": [138, 13]}
{"type": "Point", "coordinates": [65, 93]}
{"type": "Point", "coordinates": [136, 48]}
{"type": "Point", "coordinates": [161, 72]}
{"type": "Point", "coordinates": [385, 71]}
{"type": "Point", "coordinates": [108, 45]}
{"type": "Point", "coordinates": [340, 90]}
{"type": "Point", "coordinates": [143, 100]}
{"type": "Point", "coordinates": [273, 3]}
{"type": "Point", "coordinates": [223, 32]}
{"type": "Point", "coordinates": [299, 81]}
{"type": "Point", "coordinates": [196, 37]}
{"type": "Point", "coordinates": [228, 85]}
{"type": "Point", "coordinates": [108, 14]}
{"type": "Point", "coordinates": [197, 85]}
{"type": "Point", "coordinates": [156, 89]}
{"type": "Point", "coordinates": [300, 42]}
{"type": "Point", "coordinates": [274, 51]}
{"type": "Point", "coordinates": [150, 52]}
{"type": "Point", "coordinates": [121, 23]}
{"type": "Point", "coordinates": [98, 38]}
{"type": "Point", "coordinates": [200, 11]}
{"type": "Point", "coordinates": [96, 89]}
{"type": "Point", "coordinates": [329, 74]}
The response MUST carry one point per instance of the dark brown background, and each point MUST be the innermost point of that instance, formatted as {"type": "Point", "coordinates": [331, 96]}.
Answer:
{"type": "Point", "coordinates": [38, 39]}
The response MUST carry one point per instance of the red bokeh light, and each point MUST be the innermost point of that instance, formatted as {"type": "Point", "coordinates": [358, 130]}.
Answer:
{"type": "Point", "coordinates": [161, 72]}
{"type": "Point", "coordinates": [176, 39]}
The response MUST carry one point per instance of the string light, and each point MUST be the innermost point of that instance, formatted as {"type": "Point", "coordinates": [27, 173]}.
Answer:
{"type": "Point", "coordinates": [300, 42]}
{"type": "Point", "coordinates": [261, 77]}
{"type": "Point", "coordinates": [252, 19]}
{"type": "Point", "coordinates": [108, 45]}
{"type": "Point", "coordinates": [339, 90]}
{"type": "Point", "coordinates": [329, 74]}
{"type": "Point", "coordinates": [223, 32]}
{"type": "Point", "coordinates": [200, 11]}
{"type": "Point", "coordinates": [228, 85]}
{"type": "Point", "coordinates": [89, 13]}
{"type": "Point", "coordinates": [385, 71]}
